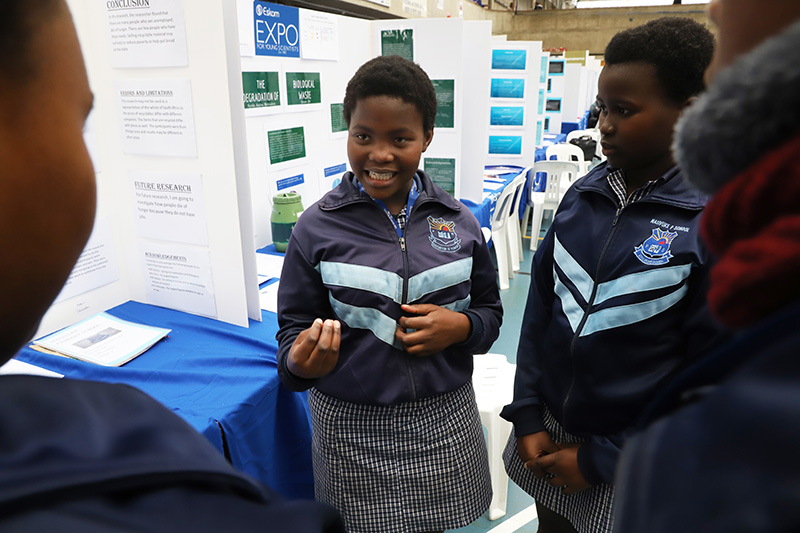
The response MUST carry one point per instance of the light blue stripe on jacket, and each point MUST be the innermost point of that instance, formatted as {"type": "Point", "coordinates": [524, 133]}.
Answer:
{"type": "Point", "coordinates": [390, 285]}
{"type": "Point", "coordinates": [363, 278]}
{"type": "Point", "coordinates": [438, 278]}
{"type": "Point", "coordinates": [623, 315]}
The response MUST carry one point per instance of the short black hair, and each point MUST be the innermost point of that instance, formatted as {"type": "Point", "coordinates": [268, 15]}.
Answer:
{"type": "Point", "coordinates": [19, 20]}
{"type": "Point", "coordinates": [392, 76]}
{"type": "Point", "coordinates": [678, 47]}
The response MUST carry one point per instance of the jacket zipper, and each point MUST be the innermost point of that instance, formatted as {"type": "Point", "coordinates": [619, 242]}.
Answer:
{"type": "Point", "coordinates": [586, 316]}
{"type": "Point", "coordinates": [404, 299]}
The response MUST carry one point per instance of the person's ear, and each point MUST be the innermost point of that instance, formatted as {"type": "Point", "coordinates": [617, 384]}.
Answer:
{"type": "Point", "coordinates": [688, 103]}
{"type": "Point", "coordinates": [428, 139]}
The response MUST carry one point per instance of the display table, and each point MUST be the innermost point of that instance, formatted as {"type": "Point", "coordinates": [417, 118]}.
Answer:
{"type": "Point", "coordinates": [223, 380]}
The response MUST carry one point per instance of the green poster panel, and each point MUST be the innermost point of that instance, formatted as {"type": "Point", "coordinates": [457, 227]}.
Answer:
{"type": "Point", "coordinates": [261, 89]}
{"type": "Point", "coordinates": [303, 88]}
{"type": "Point", "coordinates": [285, 145]}
{"type": "Point", "coordinates": [445, 103]}
{"type": "Point", "coordinates": [442, 172]}
{"type": "Point", "coordinates": [337, 118]}
{"type": "Point", "coordinates": [398, 43]}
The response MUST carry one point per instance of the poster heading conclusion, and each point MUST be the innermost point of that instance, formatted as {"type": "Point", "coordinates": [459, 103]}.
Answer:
{"type": "Point", "coordinates": [277, 29]}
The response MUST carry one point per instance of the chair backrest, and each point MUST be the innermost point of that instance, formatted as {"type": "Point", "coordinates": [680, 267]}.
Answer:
{"type": "Point", "coordinates": [503, 207]}
{"type": "Point", "coordinates": [594, 133]}
{"type": "Point", "coordinates": [519, 186]}
{"type": "Point", "coordinates": [558, 173]}
{"type": "Point", "coordinates": [564, 152]}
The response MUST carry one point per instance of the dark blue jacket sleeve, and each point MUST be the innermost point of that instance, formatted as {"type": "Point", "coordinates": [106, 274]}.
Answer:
{"type": "Point", "coordinates": [485, 311]}
{"type": "Point", "coordinates": [525, 411]}
{"type": "Point", "coordinates": [302, 298]}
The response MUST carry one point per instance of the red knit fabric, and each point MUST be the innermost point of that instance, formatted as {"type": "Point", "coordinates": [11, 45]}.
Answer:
{"type": "Point", "coordinates": [753, 226]}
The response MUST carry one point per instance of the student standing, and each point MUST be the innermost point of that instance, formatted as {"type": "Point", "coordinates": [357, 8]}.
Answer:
{"type": "Point", "coordinates": [387, 292]}
{"type": "Point", "coordinates": [721, 451]}
{"type": "Point", "coordinates": [617, 299]}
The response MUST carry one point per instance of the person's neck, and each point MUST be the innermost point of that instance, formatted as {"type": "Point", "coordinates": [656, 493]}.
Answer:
{"type": "Point", "coordinates": [637, 178]}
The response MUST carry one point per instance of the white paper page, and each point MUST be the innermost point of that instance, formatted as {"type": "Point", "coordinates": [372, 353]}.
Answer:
{"type": "Point", "coordinates": [146, 34]}
{"type": "Point", "coordinates": [178, 277]}
{"type": "Point", "coordinates": [269, 297]}
{"type": "Point", "coordinates": [319, 35]}
{"type": "Point", "coordinates": [269, 265]}
{"type": "Point", "coordinates": [492, 186]}
{"type": "Point", "coordinates": [21, 367]}
{"type": "Point", "coordinates": [104, 339]}
{"type": "Point", "coordinates": [156, 117]}
{"type": "Point", "coordinates": [170, 206]}
{"type": "Point", "coordinates": [96, 266]}
{"type": "Point", "coordinates": [262, 279]}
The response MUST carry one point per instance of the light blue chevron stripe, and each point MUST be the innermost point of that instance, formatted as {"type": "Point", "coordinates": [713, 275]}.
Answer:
{"type": "Point", "coordinates": [382, 326]}
{"type": "Point", "coordinates": [458, 305]}
{"type": "Point", "coordinates": [362, 277]}
{"type": "Point", "coordinates": [573, 270]}
{"type": "Point", "coordinates": [439, 277]}
{"type": "Point", "coordinates": [570, 307]}
{"type": "Point", "coordinates": [648, 280]}
{"type": "Point", "coordinates": [624, 315]}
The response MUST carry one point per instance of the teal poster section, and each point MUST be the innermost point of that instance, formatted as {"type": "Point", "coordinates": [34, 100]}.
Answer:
{"type": "Point", "coordinates": [509, 59]}
{"type": "Point", "coordinates": [507, 88]}
{"type": "Point", "coordinates": [505, 144]}
{"type": "Point", "coordinates": [507, 116]}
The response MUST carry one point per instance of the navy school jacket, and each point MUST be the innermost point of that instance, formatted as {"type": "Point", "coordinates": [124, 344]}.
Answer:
{"type": "Point", "coordinates": [345, 261]}
{"type": "Point", "coordinates": [616, 307]}
{"type": "Point", "coordinates": [85, 457]}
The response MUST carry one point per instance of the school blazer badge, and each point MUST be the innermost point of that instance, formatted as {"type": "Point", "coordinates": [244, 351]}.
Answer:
{"type": "Point", "coordinates": [443, 235]}
{"type": "Point", "coordinates": [655, 249]}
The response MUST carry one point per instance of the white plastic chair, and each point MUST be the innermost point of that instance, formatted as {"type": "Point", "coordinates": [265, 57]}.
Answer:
{"type": "Point", "coordinates": [568, 152]}
{"type": "Point", "coordinates": [500, 239]}
{"type": "Point", "coordinates": [514, 234]}
{"type": "Point", "coordinates": [558, 172]}
{"type": "Point", "coordinates": [493, 381]}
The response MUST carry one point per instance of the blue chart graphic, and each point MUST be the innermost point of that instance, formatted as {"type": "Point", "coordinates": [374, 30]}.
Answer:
{"type": "Point", "coordinates": [507, 116]}
{"type": "Point", "coordinates": [509, 59]}
{"type": "Point", "coordinates": [505, 144]}
{"type": "Point", "coordinates": [507, 88]}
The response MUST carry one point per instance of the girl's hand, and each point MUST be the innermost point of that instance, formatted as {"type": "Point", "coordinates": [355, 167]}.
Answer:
{"type": "Point", "coordinates": [562, 469]}
{"type": "Point", "coordinates": [435, 328]}
{"type": "Point", "coordinates": [531, 447]}
{"type": "Point", "coordinates": [315, 351]}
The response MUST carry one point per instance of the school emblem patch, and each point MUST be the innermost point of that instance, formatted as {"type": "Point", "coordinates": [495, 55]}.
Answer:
{"type": "Point", "coordinates": [655, 249]}
{"type": "Point", "coordinates": [443, 235]}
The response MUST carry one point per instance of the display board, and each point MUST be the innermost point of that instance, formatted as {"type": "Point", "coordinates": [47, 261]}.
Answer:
{"type": "Point", "coordinates": [174, 222]}
{"type": "Point", "coordinates": [515, 102]}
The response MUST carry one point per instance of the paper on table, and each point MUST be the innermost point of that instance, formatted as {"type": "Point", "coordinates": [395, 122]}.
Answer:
{"type": "Point", "coordinates": [21, 367]}
{"type": "Point", "coordinates": [269, 297]}
{"type": "Point", "coordinates": [493, 186]}
{"type": "Point", "coordinates": [269, 265]}
{"type": "Point", "coordinates": [104, 340]}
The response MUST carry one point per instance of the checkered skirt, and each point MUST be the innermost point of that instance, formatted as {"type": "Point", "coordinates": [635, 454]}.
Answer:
{"type": "Point", "coordinates": [416, 466]}
{"type": "Point", "coordinates": [589, 511]}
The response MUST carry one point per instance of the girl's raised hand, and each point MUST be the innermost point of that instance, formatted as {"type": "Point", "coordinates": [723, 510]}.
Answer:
{"type": "Point", "coordinates": [315, 351]}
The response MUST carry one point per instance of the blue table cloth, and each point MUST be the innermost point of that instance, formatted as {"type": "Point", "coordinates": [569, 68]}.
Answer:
{"type": "Point", "coordinates": [223, 380]}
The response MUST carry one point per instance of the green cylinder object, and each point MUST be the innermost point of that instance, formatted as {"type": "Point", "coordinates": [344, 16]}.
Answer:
{"type": "Point", "coordinates": [286, 208]}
